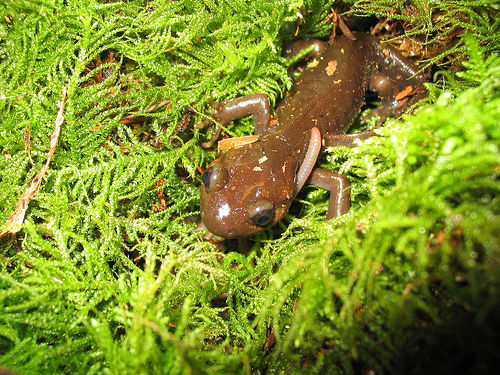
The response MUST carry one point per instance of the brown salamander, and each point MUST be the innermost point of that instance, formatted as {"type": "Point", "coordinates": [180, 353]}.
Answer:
{"type": "Point", "coordinates": [251, 187]}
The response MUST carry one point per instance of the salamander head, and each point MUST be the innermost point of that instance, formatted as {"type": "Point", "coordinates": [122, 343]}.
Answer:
{"type": "Point", "coordinates": [247, 190]}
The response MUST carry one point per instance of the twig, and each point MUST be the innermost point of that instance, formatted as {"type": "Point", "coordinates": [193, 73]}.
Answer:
{"type": "Point", "coordinates": [13, 224]}
{"type": "Point", "coordinates": [338, 21]}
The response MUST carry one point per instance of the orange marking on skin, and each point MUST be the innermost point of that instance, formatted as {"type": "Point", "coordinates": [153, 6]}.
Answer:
{"type": "Point", "coordinates": [407, 91]}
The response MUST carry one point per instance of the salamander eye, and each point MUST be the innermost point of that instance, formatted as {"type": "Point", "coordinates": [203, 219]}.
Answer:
{"type": "Point", "coordinates": [261, 213]}
{"type": "Point", "coordinates": [214, 176]}
{"type": "Point", "coordinates": [206, 177]}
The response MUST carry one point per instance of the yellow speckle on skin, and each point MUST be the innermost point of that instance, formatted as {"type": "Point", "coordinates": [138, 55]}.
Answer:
{"type": "Point", "coordinates": [331, 68]}
{"type": "Point", "coordinates": [313, 64]}
{"type": "Point", "coordinates": [262, 159]}
{"type": "Point", "coordinates": [257, 169]}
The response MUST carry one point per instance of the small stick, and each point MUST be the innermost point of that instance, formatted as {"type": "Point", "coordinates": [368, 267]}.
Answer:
{"type": "Point", "coordinates": [338, 21]}
{"type": "Point", "coordinates": [13, 224]}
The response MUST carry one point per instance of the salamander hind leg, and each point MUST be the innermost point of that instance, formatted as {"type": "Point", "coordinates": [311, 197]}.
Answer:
{"type": "Point", "coordinates": [397, 82]}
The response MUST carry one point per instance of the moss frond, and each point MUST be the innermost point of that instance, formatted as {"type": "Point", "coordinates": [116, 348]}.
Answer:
{"type": "Point", "coordinates": [110, 273]}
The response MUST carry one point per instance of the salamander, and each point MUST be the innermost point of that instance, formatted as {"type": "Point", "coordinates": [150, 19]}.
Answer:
{"type": "Point", "coordinates": [250, 187]}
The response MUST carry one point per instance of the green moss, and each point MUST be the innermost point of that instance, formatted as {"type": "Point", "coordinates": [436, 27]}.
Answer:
{"type": "Point", "coordinates": [98, 282]}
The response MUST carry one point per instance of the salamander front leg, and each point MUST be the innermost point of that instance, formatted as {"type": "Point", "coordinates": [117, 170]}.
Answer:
{"type": "Point", "coordinates": [339, 187]}
{"type": "Point", "coordinates": [215, 137]}
{"type": "Point", "coordinates": [256, 105]}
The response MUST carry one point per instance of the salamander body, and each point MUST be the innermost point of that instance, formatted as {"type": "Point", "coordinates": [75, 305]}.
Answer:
{"type": "Point", "coordinates": [251, 187]}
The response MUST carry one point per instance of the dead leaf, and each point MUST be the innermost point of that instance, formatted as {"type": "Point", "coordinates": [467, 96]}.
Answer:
{"type": "Point", "coordinates": [224, 144]}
